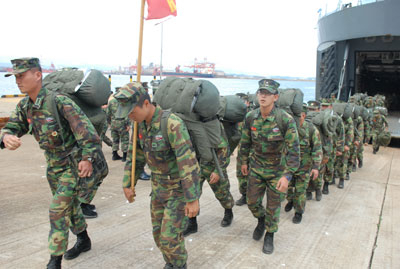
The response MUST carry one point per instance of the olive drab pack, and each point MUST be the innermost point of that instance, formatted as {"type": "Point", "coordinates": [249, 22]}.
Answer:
{"type": "Point", "coordinates": [384, 138]}
{"type": "Point", "coordinates": [89, 91]}
{"type": "Point", "coordinates": [325, 121]}
{"type": "Point", "coordinates": [344, 110]}
{"type": "Point", "coordinates": [196, 102]}
{"type": "Point", "coordinates": [382, 110]}
{"type": "Point", "coordinates": [232, 111]}
{"type": "Point", "coordinates": [291, 100]}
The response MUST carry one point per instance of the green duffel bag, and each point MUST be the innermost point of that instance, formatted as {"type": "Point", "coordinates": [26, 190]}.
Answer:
{"type": "Point", "coordinates": [232, 108]}
{"type": "Point", "coordinates": [384, 138]}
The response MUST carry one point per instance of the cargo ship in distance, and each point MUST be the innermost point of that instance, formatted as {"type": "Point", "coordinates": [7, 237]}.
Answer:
{"type": "Point", "coordinates": [359, 52]}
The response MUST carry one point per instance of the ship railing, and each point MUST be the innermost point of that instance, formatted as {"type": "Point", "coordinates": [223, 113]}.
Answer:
{"type": "Point", "coordinates": [332, 6]}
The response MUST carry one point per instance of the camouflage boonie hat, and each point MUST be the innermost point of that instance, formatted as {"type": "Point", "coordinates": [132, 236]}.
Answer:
{"type": "Point", "coordinates": [305, 108]}
{"type": "Point", "coordinates": [269, 85]}
{"type": "Point", "coordinates": [314, 105]}
{"type": "Point", "coordinates": [22, 65]}
{"type": "Point", "coordinates": [128, 96]}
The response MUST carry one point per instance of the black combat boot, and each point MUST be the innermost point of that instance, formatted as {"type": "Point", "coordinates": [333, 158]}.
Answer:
{"type": "Point", "coordinates": [259, 230]}
{"type": "Point", "coordinates": [82, 244]}
{"type": "Point", "coordinates": [308, 195]}
{"type": "Point", "coordinates": [268, 247]}
{"type": "Point", "coordinates": [107, 141]}
{"type": "Point", "coordinates": [318, 195]}
{"type": "Point", "coordinates": [341, 183]}
{"type": "Point", "coordinates": [124, 156]}
{"type": "Point", "coordinates": [347, 176]}
{"type": "Point", "coordinates": [289, 206]}
{"type": "Point", "coordinates": [144, 176]}
{"type": "Point", "coordinates": [228, 217]}
{"type": "Point", "coordinates": [354, 168]}
{"type": "Point", "coordinates": [297, 218]}
{"type": "Point", "coordinates": [181, 267]}
{"type": "Point", "coordinates": [333, 182]}
{"type": "Point", "coordinates": [325, 188]}
{"type": "Point", "coordinates": [88, 212]}
{"type": "Point", "coordinates": [360, 163]}
{"type": "Point", "coordinates": [374, 151]}
{"type": "Point", "coordinates": [55, 262]}
{"type": "Point", "coordinates": [168, 266]}
{"type": "Point", "coordinates": [115, 156]}
{"type": "Point", "coordinates": [191, 228]}
{"type": "Point", "coordinates": [241, 201]}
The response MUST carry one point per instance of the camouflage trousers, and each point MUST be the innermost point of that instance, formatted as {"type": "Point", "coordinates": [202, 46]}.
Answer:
{"type": "Point", "coordinates": [352, 158]}
{"type": "Point", "coordinates": [330, 167]}
{"type": "Point", "coordinates": [104, 137]}
{"type": "Point", "coordinates": [220, 189]}
{"type": "Point", "coordinates": [297, 190]}
{"type": "Point", "coordinates": [316, 184]}
{"type": "Point", "coordinates": [360, 152]}
{"type": "Point", "coordinates": [65, 211]}
{"type": "Point", "coordinates": [375, 144]}
{"type": "Point", "coordinates": [118, 135]}
{"type": "Point", "coordinates": [241, 179]}
{"type": "Point", "coordinates": [263, 180]}
{"type": "Point", "coordinates": [341, 164]}
{"type": "Point", "coordinates": [168, 219]}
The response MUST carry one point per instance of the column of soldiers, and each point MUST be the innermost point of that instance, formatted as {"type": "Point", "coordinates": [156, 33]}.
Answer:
{"type": "Point", "coordinates": [275, 157]}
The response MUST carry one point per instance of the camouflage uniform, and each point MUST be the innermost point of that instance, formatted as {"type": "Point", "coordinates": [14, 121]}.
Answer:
{"type": "Point", "coordinates": [174, 176]}
{"type": "Point", "coordinates": [310, 158]}
{"type": "Point", "coordinates": [359, 137]}
{"type": "Point", "coordinates": [221, 188]}
{"type": "Point", "coordinates": [342, 161]}
{"type": "Point", "coordinates": [80, 139]}
{"type": "Point", "coordinates": [337, 146]}
{"type": "Point", "coordinates": [241, 178]}
{"type": "Point", "coordinates": [119, 127]}
{"type": "Point", "coordinates": [327, 148]}
{"type": "Point", "coordinates": [270, 155]}
{"type": "Point", "coordinates": [379, 124]}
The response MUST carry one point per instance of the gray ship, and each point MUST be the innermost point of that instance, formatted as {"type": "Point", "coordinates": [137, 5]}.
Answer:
{"type": "Point", "coordinates": [359, 52]}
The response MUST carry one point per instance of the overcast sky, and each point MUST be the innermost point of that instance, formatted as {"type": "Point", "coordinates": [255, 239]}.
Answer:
{"type": "Point", "coordinates": [262, 37]}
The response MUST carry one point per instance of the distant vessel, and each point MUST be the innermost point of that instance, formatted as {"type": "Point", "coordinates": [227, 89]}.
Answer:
{"type": "Point", "coordinates": [359, 52]}
{"type": "Point", "coordinates": [200, 69]}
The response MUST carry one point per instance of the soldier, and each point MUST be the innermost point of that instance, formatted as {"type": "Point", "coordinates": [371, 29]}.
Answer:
{"type": "Point", "coordinates": [219, 185]}
{"type": "Point", "coordinates": [358, 142]}
{"type": "Point", "coordinates": [342, 161]}
{"type": "Point", "coordinates": [270, 155]}
{"type": "Point", "coordinates": [241, 178]}
{"type": "Point", "coordinates": [119, 130]}
{"type": "Point", "coordinates": [379, 124]}
{"type": "Point", "coordinates": [33, 116]}
{"type": "Point", "coordinates": [175, 171]}
{"type": "Point", "coordinates": [103, 135]}
{"type": "Point", "coordinates": [311, 157]}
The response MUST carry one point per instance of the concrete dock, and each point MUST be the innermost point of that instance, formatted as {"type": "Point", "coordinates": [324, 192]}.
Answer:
{"type": "Point", "coordinates": [354, 227]}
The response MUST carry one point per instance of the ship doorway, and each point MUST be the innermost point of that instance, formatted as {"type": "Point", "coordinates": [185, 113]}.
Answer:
{"type": "Point", "coordinates": [378, 72]}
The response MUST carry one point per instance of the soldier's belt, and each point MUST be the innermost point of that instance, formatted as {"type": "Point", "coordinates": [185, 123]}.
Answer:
{"type": "Point", "coordinates": [162, 178]}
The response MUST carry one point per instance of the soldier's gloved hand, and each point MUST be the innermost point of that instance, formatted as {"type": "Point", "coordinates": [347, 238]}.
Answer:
{"type": "Point", "coordinates": [244, 169]}
{"type": "Point", "coordinates": [314, 174]}
{"type": "Point", "coordinates": [357, 143]}
{"type": "Point", "coordinates": [282, 185]}
{"type": "Point", "coordinates": [11, 142]}
{"type": "Point", "coordinates": [346, 148]}
{"type": "Point", "coordinates": [85, 169]}
{"type": "Point", "coordinates": [192, 209]}
{"type": "Point", "coordinates": [214, 178]}
{"type": "Point", "coordinates": [339, 153]}
{"type": "Point", "coordinates": [129, 194]}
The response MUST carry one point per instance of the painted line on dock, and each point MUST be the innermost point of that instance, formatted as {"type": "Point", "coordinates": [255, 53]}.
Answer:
{"type": "Point", "coordinates": [13, 95]}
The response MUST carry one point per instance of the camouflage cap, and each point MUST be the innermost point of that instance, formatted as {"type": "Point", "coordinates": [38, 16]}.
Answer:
{"type": "Point", "coordinates": [128, 96]}
{"type": "Point", "coordinates": [314, 104]}
{"type": "Point", "coordinates": [325, 104]}
{"type": "Point", "coordinates": [22, 65]}
{"type": "Point", "coordinates": [269, 85]}
{"type": "Point", "coordinates": [304, 108]}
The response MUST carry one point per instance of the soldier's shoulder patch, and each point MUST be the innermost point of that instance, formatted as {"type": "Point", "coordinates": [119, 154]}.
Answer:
{"type": "Point", "coordinates": [159, 137]}
{"type": "Point", "coordinates": [275, 130]}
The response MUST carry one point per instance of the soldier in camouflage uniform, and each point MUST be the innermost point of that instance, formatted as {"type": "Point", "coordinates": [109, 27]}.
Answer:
{"type": "Point", "coordinates": [119, 130]}
{"type": "Point", "coordinates": [175, 173]}
{"type": "Point", "coordinates": [358, 142]}
{"type": "Point", "coordinates": [241, 178]}
{"type": "Point", "coordinates": [103, 135]}
{"type": "Point", "coordinates": [33, 116]}
{"type": "Point", "coordinates": [219, 185]}
{"type": "Point", "coordinates": [311, 157]}
{"type": "Point", "coordinates": [342, 161]}
{"type": "Point", "coordinates": [269, 156]}
{"type": "Point", "coordinates": [379, 124]}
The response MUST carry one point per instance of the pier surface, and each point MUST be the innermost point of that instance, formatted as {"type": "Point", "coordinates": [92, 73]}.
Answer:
{"type": "Point", "coordinates": [356, 227]}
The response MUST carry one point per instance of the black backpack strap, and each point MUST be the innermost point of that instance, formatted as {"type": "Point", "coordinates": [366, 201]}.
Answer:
{"type": "Point", "coordinates": [164, 124]}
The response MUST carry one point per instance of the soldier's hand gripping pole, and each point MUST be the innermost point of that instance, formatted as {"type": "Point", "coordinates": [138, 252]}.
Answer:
{"type": "Point", "coordinates": [216, 161]}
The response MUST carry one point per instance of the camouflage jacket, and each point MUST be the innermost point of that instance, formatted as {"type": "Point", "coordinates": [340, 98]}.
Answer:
{"type": "Point", "coordinates": [115, 124]}
{"type": "Point", "coordinates": [263, 143]}
{"type": "Point", "coordinates": [36, 119]}
{"type": "Point", "coordinates": [310, 147]}
{"type": "Point", "coordinates": [379, 122]}
{"type": "Point", "coordinates": [338, 136]}
{"type": "Point", "coordinates": [348, 132]}
{"type": "Point", "coordinates": [175, 158]}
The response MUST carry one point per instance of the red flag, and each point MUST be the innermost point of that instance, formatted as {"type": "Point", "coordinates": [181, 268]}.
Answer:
{"type": "Point", "coordinates": [158, 9]}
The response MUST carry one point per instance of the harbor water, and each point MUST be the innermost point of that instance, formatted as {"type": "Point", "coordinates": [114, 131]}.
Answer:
{"type": "Point", "coordinates": [226, 86]}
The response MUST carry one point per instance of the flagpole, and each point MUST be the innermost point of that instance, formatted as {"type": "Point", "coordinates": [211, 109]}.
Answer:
{"type": "Point", "coordinates": [162, 34]}
{"type": "Point", "coordinates": [138, 71]}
